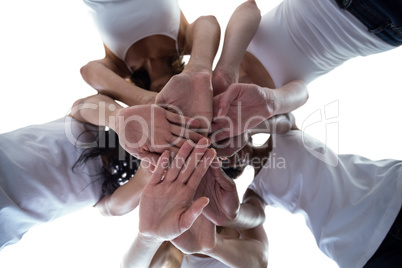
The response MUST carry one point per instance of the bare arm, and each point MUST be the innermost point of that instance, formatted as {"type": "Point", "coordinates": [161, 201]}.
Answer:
{"type": "Point", "coordinates": [288, 97]}
{"type": "Point", "coordinates": [110, 79]}
{"type": "Point", "coordinates": [244, 106]}
{"type": "Point", "coordinates": [278, 124]}
{"type": "Point", "coordinates": [251, 212]}
{"type": "Point", "coordinates": [99, 110]}
{"type": "Point", "coordinates": [167, 208]}
{"type": "Point", "coordinates": [202, 36]}
{"type": "Point", "coordinates": [191, 91]}
{"type": "Point", "coordinates": [145, 131]}
{"type": "Point", "coordinates": [141, 252]}
{"type": "Point", "coordinates": [240, 30]}
{"type": "Point", "coordinates": [127, 197]}
{"type": "Point", "coordinates": [249, 251]}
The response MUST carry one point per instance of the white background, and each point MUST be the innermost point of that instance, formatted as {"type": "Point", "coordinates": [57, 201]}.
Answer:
{"type": "Point", "coordinates": [43, 45]}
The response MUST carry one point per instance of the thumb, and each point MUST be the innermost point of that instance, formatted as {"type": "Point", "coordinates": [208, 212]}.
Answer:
{"type": "Point", "coordinates": [225, 99]}
{"type": "Point", "coordinates": [159, 98]}
{"type": "Point", "coordinates": [220, 176]}
{"type": "Point", "coordinates": [189, 217]}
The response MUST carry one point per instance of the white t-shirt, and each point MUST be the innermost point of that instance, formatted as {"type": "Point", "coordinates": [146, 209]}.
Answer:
{"type": "Point", "coordinates": [349, 202]}
{"type": "Point", "coordinates": [37, 183]}
{"type": "Point", "coordinates": [192, 261]}
{"type": "Point", "coordinates": [121, 23]}
{"type": "Point", "coordinates": [304, 39]}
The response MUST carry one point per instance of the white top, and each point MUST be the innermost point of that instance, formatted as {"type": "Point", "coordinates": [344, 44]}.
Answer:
{"type": "Point", "coordinates": [304, 39]}
{"type": "Point", "coordinates": [349, 204]}
{"type": "Point", "coordinates": [121, 23]}
{"type": "Point", "coordinates": [37, 183]}
{"type": "Point", "coordinates": [192, 261]}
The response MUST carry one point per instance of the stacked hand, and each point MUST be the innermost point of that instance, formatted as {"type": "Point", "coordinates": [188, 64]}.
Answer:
{"type": "Point", "coordinates": [146, 131]}
{"type": "Point", "coordinates": [239, 108]}
{"type": "Point", "coordinates": [199, 238]}
{"type": "Point", "coordinates": [191, 94]}
{"type": "Point", "coordinates": [222, 193]}
{"type": "Point", "coordinates": [166, 207]}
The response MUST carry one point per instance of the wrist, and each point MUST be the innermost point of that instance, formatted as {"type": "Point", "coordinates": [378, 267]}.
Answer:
{"type": "Point", "coordinates": [198, 65]}
{"type": "Point", "coordinates": [232, 222]}
{"type": "Point", "coordinates": [213, 249]}
{"type": "Point", "coordinates": [150, 241]}
{"type": "Point", "coordinates": [148, 97]}
{"type": "Point", "coordinates": [117, 119]}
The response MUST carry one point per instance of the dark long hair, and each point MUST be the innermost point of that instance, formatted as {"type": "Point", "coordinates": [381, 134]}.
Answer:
{"type": "Point", "coordinates": [118, 165]}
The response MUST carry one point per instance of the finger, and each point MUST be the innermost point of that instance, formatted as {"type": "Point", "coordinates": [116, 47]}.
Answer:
{"type": "Point", "coordinates": [193, 160]}
{"type": "Point", "coordinates": [228, 147]}
{"type": "Point", "coordinates": [197, 175]}
{"type": "Point", "coordinates": [173, 150]}
{"type": "Point", "coordinates": [220, 134]}
{"type": "Point", "coordinates": [182, 120]}
{"type": "Point", "coordinates": [178, 161]}
{"type": "Point", "coordinates": [188, 218]}
{"type": "Point", "coordinates": [217, 105]}
{"type": "Point", "coordinates": [160, 168]}
{"type": "Point", "coordinates": [186, 133]}
{"type": "Point", "coordinates": [169, 108]}
{"type": "Point", "coordinates": [220, 176]}
{"type": "Point", "coordinates": [227, 99]}
{"type": "Point", "coordinates": [177, 141]}
{"type": "Point", "coordinates": [221, 104]}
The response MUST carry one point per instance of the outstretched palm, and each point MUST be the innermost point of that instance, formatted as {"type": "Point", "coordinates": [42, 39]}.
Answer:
{"type": "Point", "coordinates": [222, 193]}
{"type": "Point", "coordinates": [166, 206]}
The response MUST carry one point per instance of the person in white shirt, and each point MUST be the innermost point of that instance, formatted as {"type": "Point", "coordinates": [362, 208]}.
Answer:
{"type": "Point", "coordinates": [144, 41]}
{"type": "Point", "coordinates": [352, 205]}
{"type": "Point", "coordinates": [296, 41]}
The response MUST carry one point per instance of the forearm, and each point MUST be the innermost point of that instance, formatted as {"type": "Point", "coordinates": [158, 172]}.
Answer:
{"type": "Point", "coordinates": [247, 217]}
{"type": "Point", "coordinates": [241, 29]}
{"type": "Point", "coordinates": [288, 97]}
{"type": "Point", "coordinates": [278, 124]}
{"type": "Point", "coordinates": [203, 37]}
{"type": "Point", "coordinates": [239, 252]}
{"type": "Point", "coordinates": [107, 81]}
{"type": "Point", "coordinates": [97, 109]}
{"type": "Point", "coordinates": [141, 252]}
{"type": "Point", "coordinates": [127, 197]}
{"type": "Point", "coordinates": [251, 212]}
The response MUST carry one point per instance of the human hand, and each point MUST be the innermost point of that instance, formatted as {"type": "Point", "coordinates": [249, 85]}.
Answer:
{"type": "Point", "coordinates": [221, 80]}
{"type": "Point", "coordinates": [223, 197]}
{"type": "Point", "coordinates": [199, 238]}
{"type": "Point", "coordinates": [230, 146]}
{"type": "Point", "coordinates": [191, 93]}
{"type": "Point", "coordinates": [146, 131]}
{"type": "Point", "coordinates": [166, 206]}
{"type": "Point", "coordinates": [239, 108]}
